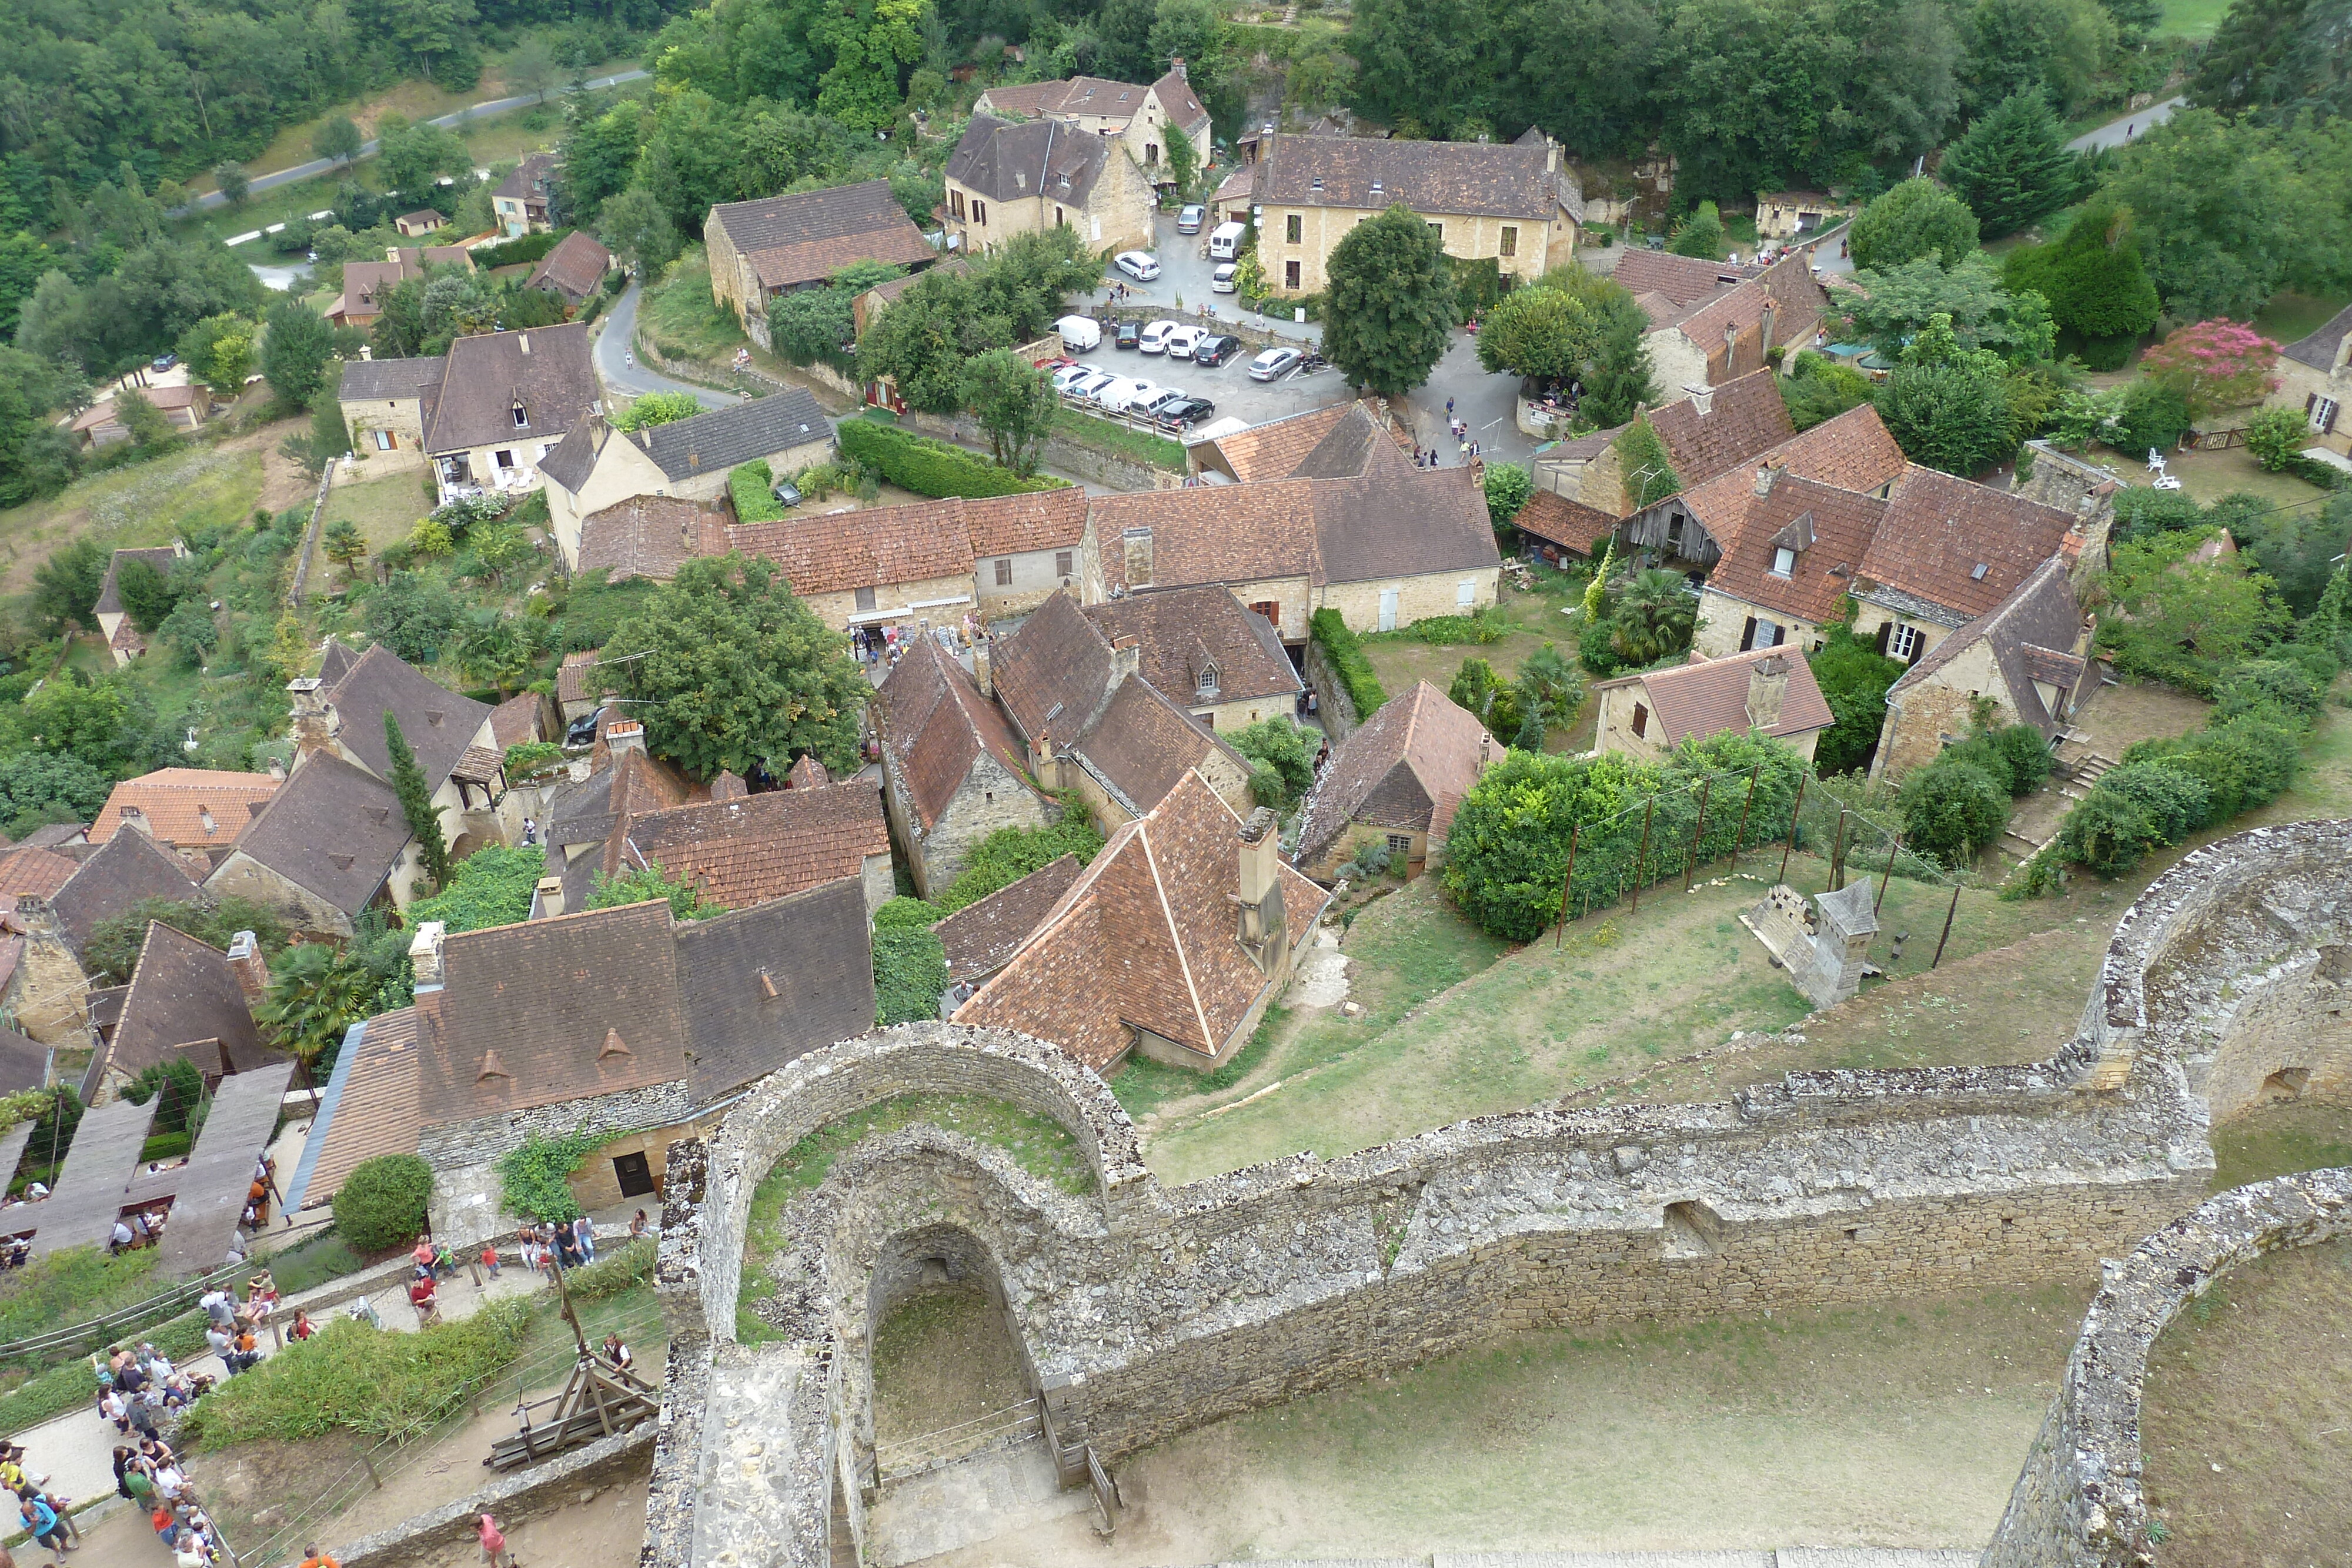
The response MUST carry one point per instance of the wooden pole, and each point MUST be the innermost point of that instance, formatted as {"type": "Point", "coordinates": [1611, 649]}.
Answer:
{"type": "Point", "coordinates": [1837, 853]}
{"type": "Point", "coordinates": [367, 1457]}
{"type": "Point", "coordinates": [1698, 831]}
{"type": "Point", "coordinates": [1567, 877]}
{"type": "Point", "coordinates": [1642, 859]}
{"type": "Point", "coordinates": [555, 1266]}
{"type": "Point", "coordinates": [1955, 909]}
{"type": "Point", "coordinates": [1883, 876]}
{"type": "Point", "coordinates": [1795, 812]}
{"type": "Point", "coordinates": [1746, 806]}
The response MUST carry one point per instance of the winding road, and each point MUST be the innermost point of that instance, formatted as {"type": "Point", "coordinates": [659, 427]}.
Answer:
{"type": "Point", "coordinates": [622, 378]}
{"type": "Point", "coordinates": [2116, 132]}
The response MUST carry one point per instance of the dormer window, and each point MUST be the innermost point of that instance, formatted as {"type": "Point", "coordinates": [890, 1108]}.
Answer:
{"type": "Point", "coordinates": [522, 416]}
{"type": "Point", "coordinates": [1206, 686]}
{"type": "Point", "coordinates": [1784, 561]}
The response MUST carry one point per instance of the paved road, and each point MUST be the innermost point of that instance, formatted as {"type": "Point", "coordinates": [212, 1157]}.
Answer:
{"type": "Point", "coordinates": [622, 379]}
{"type": "Point", "coordinates": [213, 199]}
{"type": "Point", "coordinates": [2116, 132]}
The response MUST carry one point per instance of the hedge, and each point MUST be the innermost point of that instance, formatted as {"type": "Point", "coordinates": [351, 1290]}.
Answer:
{"type": "Point", "coordinates": [931, 467]}
{"type": "Point", "coordinates": [381, 1203]}
{"type": "Point", "coordinates": [910, 970]}
{"type": "Point", "coordinates": [513, 252]}
{"type": "Point", "coordinates": [750, 489]}
{"type": "Point", "coordinates": [1346, 652]}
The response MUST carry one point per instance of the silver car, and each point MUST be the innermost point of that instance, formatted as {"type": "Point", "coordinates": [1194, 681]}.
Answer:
{"type": "Point", "coordinates": [1138, 265]}
{"type": "Point", "coordinates": [1274, 364]}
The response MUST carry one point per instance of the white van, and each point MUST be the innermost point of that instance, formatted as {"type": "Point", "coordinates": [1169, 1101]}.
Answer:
{"type": "Point", "coordinates": [1226, 242]}
{"type": "Point", "coordinates": [1080, 334]}
{"type": "Point", "coordinates": [1114, 396]}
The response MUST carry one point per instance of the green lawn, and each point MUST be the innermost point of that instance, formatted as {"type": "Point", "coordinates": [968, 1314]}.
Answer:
{"type": "Point", "coordinates": [1401, 658]}
{"type": "Point", "coordinates": [385, 509]}
{"type": "Point", "coordinates": [681, 319]}
{"type": "Point", "coordinates": [2289, 317]}
{"type": "Point", "coordinates": [145, 504]}
{"type": "Point", "coordinates": [2192, 18]}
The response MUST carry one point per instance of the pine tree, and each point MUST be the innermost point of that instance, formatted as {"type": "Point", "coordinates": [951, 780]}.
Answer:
{"type": "Point", "coordinates": [2013, 166]}
{"type": "Point", "coordinates": [416, 801]}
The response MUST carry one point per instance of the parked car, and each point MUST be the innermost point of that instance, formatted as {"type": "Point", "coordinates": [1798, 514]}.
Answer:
{"type": "Point", "coordinates": [1138, 265]}
{"type": "Point", "coordinates": [1222, 280]}
{"type": "Point", "coordinates": [1153, 339]}
{"type": "Point", "coordinates": [583, 730]}
{"type": "Point", "coordinates": [1187, 222]}
{"type": "Point", "coordinates": [1121, 394]}
{"type": "Point", "coordinates": [1216, 349]}
{"type": "Point", "coordinates": [1079, 334]}
{"type": "Point", "coordinates": [1190, 412]}
{"type": "Point", "coordinates": [163, 362]}
{"type": "Point", "coordinates": [1158, 403]}
{"type": "Point", "coordinates": [1070, 376]}
{"type": "Point", "coordinates": [1274, 364]}
{"type": "Point", "coordinates": [786, 493]}
{"type": "Point", "coordinates": [1085, 386]}
{"type": "Point", "coordinates": [1124, 334]}
{"type": "Point", "coordinates": [1180, 341]}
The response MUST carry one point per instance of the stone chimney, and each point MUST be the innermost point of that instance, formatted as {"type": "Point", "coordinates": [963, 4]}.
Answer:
{"type": "Point", "coordinates": [2343, 354]}
{"type": "Point", "coordinates": [546, 898]}
{"type": "Point", "coordinates": [1126, 658]}
{"type": "Point", "coordinates": [981, 673]}
{"type": "Point", "coordinates": [729, 786]}
{"type": "Point", "coordinates": [1770, 309]}
{"type": "Point", "coordinates": [277, 770]}
{"type": "Point", "coordinates": [1765, 478]}
{"type": "Point", "coordinates": [1136, 544]}
{"type": "Point", "coordinates": [425, 952]}
{"type": "Point", "coordinates": [1176, 68]}
{"type": "Point", "coordinates": [1702, 399]}
{"type": "Point", "coordinates": [313, 719]}
{"type": "Point", "coordinates": [252, 970]}
{"type": "Point", "coordinates": [1768, 685]}
{"type": "Point", "coordinates": [624, 735]}
{"type": "Point", "coordinates": [1258, 898]}
{"type": "Point", "coordinates": [522, 343]}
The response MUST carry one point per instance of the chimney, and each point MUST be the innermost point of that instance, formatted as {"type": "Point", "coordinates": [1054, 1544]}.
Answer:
{"type": "Point", "coordinates": [1258, 898]}
{"type": "Point", "coordinates": [1176, 68]}
{"type": "Point", "coordinates": [1126, 658]}
{"type": "Point", "coordinates": [546, 898]}
{"type": "Point", "coordinates": [729, 786]}
{"type": "Point", "coordinates": [1767, 682]}
{"type": "Point", "coordinates": [980, 672]}
{"type": "Point", "coordinates": [1702, 399]}
{"type": "Point", "coordinates": [313, 726]}
{"type": "Point", "coordinates": [624, 735]}
{"type": "Point", "coordinates": [1767, 349]}
{"type": "Point", "coordinates": [2343, 354]}
{"type": "Point", "coordinates": [1137, 543]}
{"type": "Point", "coordinates": [1765, 476]}
{"type": "Point", "coordinates": [424, 953]}
{"type": "Point", "coordinates": [1551, 155]}
{"type": "Point", "coordinates": [252, 970]}
{"type": "Point", "coordinates": [522, 342]}
{"type": "Point", "coordinates": [277, 770]}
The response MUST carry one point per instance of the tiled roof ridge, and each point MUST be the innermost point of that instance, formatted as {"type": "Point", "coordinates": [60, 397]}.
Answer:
{"type": "Point", "coordinates": [1175, 932]}
{"type": "Point", "coordinates": [551, 920]}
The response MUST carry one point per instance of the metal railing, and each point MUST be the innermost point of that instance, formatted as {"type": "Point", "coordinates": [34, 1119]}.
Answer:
{"type": "Point", "coordinates": [907, 1456]}
{"type": "Point", "coordinates": [153, 1311]}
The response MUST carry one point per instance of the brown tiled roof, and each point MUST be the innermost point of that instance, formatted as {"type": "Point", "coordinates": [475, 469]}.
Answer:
{"type": "Point", "coordinates": [1183, 105]}
{"type": "Point", "coordinates": [1034, 520]}
{"type": "Point", "coordinates": [576, 265]}
{"type": "Point", "coordinates": [1706, 697]}
{"type": "Point", "coordinates": [1571, 525]}
{"type": "Point", "coordinates": [184, 992]}
{"type": "Point", "coordinates": [1145, 937]}
{"type": "Point", "coordinates": [572, 676]}
{"type": "Point", "coordinates": [1492, 179]}
{"type": "Point", "coordinates": [877, 547]}
{"type": "Point", "coordinates": [335, 662]}
{"type": "Point", "coordinates": [765, 984]}
{"type": "Point", "coordinates": [1831, 531]}
{"type": "Point", "coordinates": [625, 786]}
{"type": "Point", "coordinates": [110, 599]}
{"type": "Point", "coordinates": [367, 284]}
{"type": "Point", "coordinates": [1030, 101]}
{"type": "Point", "coordinates": [1407, 767]}
{"type": "Point", "coordinates": [983, 936]}
{"type": "Point", "coordinates": [1684, 279]}
{"type": "Point", "coordinates": [125, 869]}
{"type": "Point", "coordinates": [809, 235]}
{"type": "Point", "coordinates": [1354, 444]}
{"type": "Point", "coordinates": [28, 871]}
{"type": "Point", "coordinates": [649, 536]}
{"type": "Point", "coordinates": [374, 1112]}
{"type": "Point", "coordinates": [528, 181]}
{"type": "Point", "coordinates": [1744, 416]}
{"type": "Point", "coordinates": [1222, 533]}
{"type": "Point", "coordinates": [2051, 666]}
{"type": "Point", "coordinates": [2318, 349]}
{"type": "Point", "coordinates": [437, 722]}
{"type": "Point", "coordinates": [545, 369]}
{"type": "Point", "coordinates": [1962, 546]}
{"type": "Point", "coordinates": [1010, 160]}
{"type": "Point", "coordinates": [1052, 675]}
{"type": "Point", "coordinates": [331, 828]}
{"type": "Point", "coordinates": [1397, 520]}
{"type": "Point", "coordinates": [1182, 633]}
{"type": "Point", "coordinates": [935, 725]}
{"type": "Point", "coordinates": [517, 720]}
{"type": "Point", "coordinates": [1798, 304]}
{"type": "Point", "coordinates": [1853, 452]}
{"type": "Point", "coordinates": [2029, 635]}
{"type": "Point", "coordinates": [187, 805]}
{"type": "Point", "coordinates": [750, 849]}
{"type": "Point", "coordinates": [1143, 744]}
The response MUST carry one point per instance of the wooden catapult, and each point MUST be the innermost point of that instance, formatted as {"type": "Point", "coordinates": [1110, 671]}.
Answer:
{"type": "Point", "coordinates": [599, 1400]}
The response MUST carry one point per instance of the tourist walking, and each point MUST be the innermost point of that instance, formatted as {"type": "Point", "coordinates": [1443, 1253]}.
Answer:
{"type": "Point", "coordinates": [494, 1545]}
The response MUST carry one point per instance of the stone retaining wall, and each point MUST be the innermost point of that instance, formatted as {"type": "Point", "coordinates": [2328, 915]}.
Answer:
{"type": "Point", "coordinates": [429, 1539]}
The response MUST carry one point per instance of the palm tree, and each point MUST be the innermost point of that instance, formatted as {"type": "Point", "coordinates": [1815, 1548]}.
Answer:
{"type": "Point", "coordinates": [1655, 616]}
{"type": "Point", "coordinates": [316, 994]}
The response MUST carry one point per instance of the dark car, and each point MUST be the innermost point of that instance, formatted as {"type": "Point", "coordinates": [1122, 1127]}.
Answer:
{"type": "Point", "coordinates": [1187, 412]}
{"type": "Point", "coordinates": [1123, 333]}
{"type": "Point", "coordinates": [163, 362]}
{"type": "Point", "coordinates": [1215, 349]}
{"type": "Point", "coordinates": [583, 729]}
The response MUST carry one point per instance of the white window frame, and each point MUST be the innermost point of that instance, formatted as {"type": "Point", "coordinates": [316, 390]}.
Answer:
{"type": "Point", "coordinates": [2323, 414]}
{"type": "Point", "coordinates": [1903, 643]}
{"type": "Point", "coordinates": [1466, 594]}
{"type": "Point", "coordinates": [1784, 561]}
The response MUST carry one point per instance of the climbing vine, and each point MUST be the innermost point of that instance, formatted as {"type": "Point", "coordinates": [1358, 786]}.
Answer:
{"type": "Point", "coordinates": [534, 1179]}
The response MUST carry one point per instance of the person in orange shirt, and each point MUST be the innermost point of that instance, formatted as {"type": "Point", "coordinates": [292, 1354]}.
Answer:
{"type": "Point", "coordinates": [314, 1558]}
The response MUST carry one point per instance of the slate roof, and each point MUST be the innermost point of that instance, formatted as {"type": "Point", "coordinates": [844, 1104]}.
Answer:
{"type": "Point", "coordinates": [2318, 349]}
{"type": "Point", "coordinates": [388, 379]}
{"type": "Point", "coordinates": [182, 992]}
{"type": "Point", "coordinates": [1010, 160]}
{"type": "Point", "coordinates": [1052, 675]}
{"type": "Point", "coordinates": [1708, 696]}
{"type": "Point", "coordinates": [577, 267]}
{"type": "Point", "coordinates": [813, 950]}
{"type": "Point", "coordinates": [370, 1107]}
{"type": "Point", "coordinates": [645, 535]}
{"type": "Point", "coordinates": [331, 828]}
{"type": "Point", "coordinates": [1962, 546]}
{"type": "Point", "coordinates": [335, 662]}
{"type": "Point", "coordinates": [1405, 768]}
{"type": "Point", "coordinates": [53, 835]}
{"type": "Point", "coordinates": [809, 235]}
{"type": "Point", "coordinates": [983, 936]}
{"type": "Point", "coordinates": [750, 849]}
{"type": "Point", "coordinates": [24, 1064]}
{"type": "Point", "coordinates": [127, 868]}
{"type": "Point", "coordinates": [935, 725]}
{"type": "Point", "coordinates": [2030, 634]}
{"type": "Point", "coordinates": [528, 181]}
{"type": "Point", "coordinates": [1831, 531]}
{"type": "Point", "coordinates": [1145, 937]}
{"type": "Point", "coordinates": [1144, 743]}
{"type": "Point", "coordinates": [110, 599]}
{"type": "Point", "coordinates": [1487, 179]}
{"type": "Point", "coordinates": [1745, 416]}
{"type": "Point", "coordinates": [545, 369]}
{"type": "Point", "coordinates": [184, 806]}
{"type": "Point", "coordinates": [1183, 632]}
{"type": "Point", "coordinates": [437, 722]}
{"type": "Point", "coordinates": [1397, 520]}
{"type": "Point", "coordinates": [28, 871]}
{"type": "Point", "coordinates": [724, 437]}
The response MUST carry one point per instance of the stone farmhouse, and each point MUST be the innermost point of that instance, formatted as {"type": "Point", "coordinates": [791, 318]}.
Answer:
{"type": "Point", "coordinates": [1646, 716]}
{"type": "Point", "coordinates": [575, 268]}
{"type": "Point", "coordinates": [779, 245]}
{"type": "Point", "coordinates": [522, 203]}
{"type": "Point", "coordinates": [953, 772]}
{"type": "Point", "coordinates": [1135, 118]}
{"type": "Point", "coordinates": [1012, 177]}
{"type": "Point", "coordinates": [1171, 941]}
{"type": "Point", "coordinates": [595, 466]}
{"type": "Point", "coordinates": [1949, 550]}
{"type": "Point", "coordinates": [198, 809]}
{"type": "Point", "coordinates": [1713, 321]}
{"type": "Point", "coordinates": [383, 407]}
{"type": "Point", "coordinates": [1515, 205]}
{"type": "Point", "coordinates": [2315, 379]}
{"type": "Point", "coordinates": [1793, 214]}
{"type": "Point", "coordinates": [1787, 570]}
{"type": "Point", "coordinates": [1203, 649]}
{"type": "Point", "coordinates": [1396, 781]}
{"type": "Point", "coordinates": [485, 414]}
{"type": "Point", "coordinates": [123, 639]}
{"type": "Point", "coordinates": [1852, 452]}
{"type": "Point", "coordinates": [368, 284]}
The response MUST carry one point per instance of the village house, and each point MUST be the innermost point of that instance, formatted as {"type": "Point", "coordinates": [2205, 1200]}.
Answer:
{"type": "Point", "coordinates": [1333, 441]}
{"type": "Point", "coordinates": [780, 244]}
{"type": "Point", "coordinates": [575, 268]}
{"type": "Point", "coordinates": [2026, 657]}
{"type": "Point", "coordinates": [367, 284]}
{"type": "Point", "coordinates": [199, 808]}
{"type": "Point", "coordinates": [624, 781]}
{"type": "Point", "coordinates": [1201, 648]}
{"type": "Point", "coordinates": [503, 403]}
{"type": "Point", "coordinates": [183, 407]}
{"type": "Point", "coordinates": [1711, 321]}
{"type": "Point", "coordinates": [2314, 376]}
{"type": "Point", "coordinates": [43, 992]}
{"type": "Point", "coordinates": [1171, 941]}
{"type": "Point", "coordinates": [1949, 551]}
{"type": "Point", "coordinates": [983, 936]}
{"type": "Point", "coordinates": [383, 407]}
{"type": "Point", "coordinates": [1136, 119]}
{"type": "Point", "coordinates": [1647, 716]}
{"type": "Point", "coordinates": [123, 639]}
{"type": "Point", "coordinates": [1785, 574]}
{"type": "Point", "coordinates": [188, 1001]}
{"type": "Point", "coordinates": [330, 842]}
{"type": "Point", "coordinates": [1012, 177]}
{"type": "Point", "coordinates": [522, 203]}
{"type": "Point", "coordinates": [953, 772]}
{"type": "Point", "coordinates": [1396, 781]}
{"type": "Point", "coordinates": [419, 223]}
{"type": "Point", "coordinates": [1794, 214]}
{"type": "Point", "coordinates": [129, 867]}
{"type": "Point", "coordinates": [596, 467]}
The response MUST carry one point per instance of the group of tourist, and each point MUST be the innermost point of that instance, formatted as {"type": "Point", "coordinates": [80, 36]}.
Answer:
{"type": "Point", "coordinates": [138, 1388]}
{"type": "Point", "coordinates": [42, 1514]}
{"type": "Point", "coordinates": [570, 1243]}
{"type": "Point", "coordinates": [151, 1475]}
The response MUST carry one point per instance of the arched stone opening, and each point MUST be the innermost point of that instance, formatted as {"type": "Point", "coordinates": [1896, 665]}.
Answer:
{"type": "Point", "coordinates": [948, 1368]}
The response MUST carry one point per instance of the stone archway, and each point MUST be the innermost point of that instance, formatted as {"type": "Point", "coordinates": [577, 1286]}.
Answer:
{"type": "Point", "coordinates": [947, 1366]}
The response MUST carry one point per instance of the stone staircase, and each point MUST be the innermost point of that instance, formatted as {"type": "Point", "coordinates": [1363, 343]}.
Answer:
{"type": "Point", "coordinates": [2088, 770]}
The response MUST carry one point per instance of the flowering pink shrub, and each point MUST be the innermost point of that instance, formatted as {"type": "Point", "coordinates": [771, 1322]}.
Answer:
{"type": "Point", "coordinates": [2218, 364]}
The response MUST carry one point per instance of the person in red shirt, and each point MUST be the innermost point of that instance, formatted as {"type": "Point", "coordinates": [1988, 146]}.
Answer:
{"type": "Point", "coordinates": [494, 1545]}
{"type": "Point", "coordinates": [420, 1296]}
{"type": "Point", "coordinates": [303, 1327]}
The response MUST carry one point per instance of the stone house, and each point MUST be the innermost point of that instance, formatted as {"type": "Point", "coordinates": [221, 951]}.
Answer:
{"type": "Point", "coordinates": [330, 842]}
{"type": "Point", "coordinates": [1949, 551]}
{"type": "Point", "coordinates": [595, 466]}
{"type": "Point", "coordinates": [983, 936]}
{"type": "Point", "coordinates": [384, 406]}
{"type": "Point", "coordinates": [522, 202]}
{"type": "Point", "coordinates": [575, 268]}
{"type": "Point", "coordinates": [199, 808]}
{"type": "Point", "coordinates": [368, 284]}
{"type": "Point", "coordinates": [1171, 941]}
{"type": "Point", "coordinates": [1784, 575]}
{"type": "Point", "coordinates": [189, 1002]}
{"type": "Point", "coordinates": [1136, 118]}
{"type": "Point", "coordinates": [1327, 443]}
{"type": "Point", "coordinates": [778, 245]}
{"type": "Point", "coordinates": [1515, 205]}
{"type": "Point", "coordinates": [1765, 690]}
{"type": "Point", "coordinates": [504, 401]}
{"type": "Point", "coordinates": [1793, 214]}
{"type": "Point", "coordinates": [1852, 452]}
{"type": "Point", "coordinates": [1711, 321]}
{"type": "Point", "coordinates": [50, 904]}
{"type": "Point", "coordinates": [1397, 779]}
{"type": "Point", "coordinates": [128, 868]}
{"type": "Point", "coordinates": [1010, 177]}
{"type": "Point", "coordinates": [952, 771]}
{"type": "Point", "coordinates": [450, 735]}
{"type": "Point", "coordinates": [1201, 648]}
{"type": "Point", "coordinates": [183, 407]}
{"type": "Point", "coordinates": [2316, 379]}
{"type": "Point", "coordinates": [123, 638]}
{"type": "Point", "coordinates": [2027, 656]}
{"type": "Point", "coordinates": [624, 782]}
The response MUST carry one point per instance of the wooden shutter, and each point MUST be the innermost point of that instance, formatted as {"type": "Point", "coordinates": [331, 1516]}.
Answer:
{"type": "Point", "coordinates": [1747, 635]}
{"type": "Point", "coordinates": [1885, 630]}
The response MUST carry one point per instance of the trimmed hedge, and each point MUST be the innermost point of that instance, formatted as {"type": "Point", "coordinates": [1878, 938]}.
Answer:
{"type": "Point", "coordinates": [749, 488]}
{"type": "Point", "coordinates": [1346, 652]}
{"type": "Point", "coordinates": [381, 1203]}
{"type": "Point", "coordinates": [910, 970]}
{"type": "Point", "coordinates": [931, 467]}
{"type": "Point", "coordinates": [512, 252]}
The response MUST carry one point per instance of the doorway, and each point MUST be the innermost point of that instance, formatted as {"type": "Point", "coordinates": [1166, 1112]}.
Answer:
{"type": "Point", "coordinates": [1388, 608]}
{"type": "Point", "coordinates": [634, 1173]}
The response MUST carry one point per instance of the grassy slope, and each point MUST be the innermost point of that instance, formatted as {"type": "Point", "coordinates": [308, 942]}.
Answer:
{"type": "Point", "coordinates": [142, 505]}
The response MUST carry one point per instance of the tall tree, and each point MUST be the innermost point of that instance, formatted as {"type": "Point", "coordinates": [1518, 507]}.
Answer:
{"type": "Point", "coordinates": [1917, 218]}
{"type": "Point", "coordinates": [1016, 405]}
{"type": "Point", "coordinates": [1886, 310]}
{"type": "Point", "coordinates": [640, 233]}
{"type": "Point", "coordinates": [415, 793]}
{"type": "Point", "coordinates": [1700, 234]}
{"type": "Point", "coordinates": [337, 140]}
{"type": "Point", "coordinates": [234, 182]}
{"type": "Point", "coordinates": [2090, 275]}
{"type": "Point", "coordinates": [2012, 167]}
{"type": "Point", "coordinates": [1389, 305]}
{"type": "Point", "coordinates": [1947, 407]}
{"type": "Point", "coordinates": [315, 996]}
{"type": "Point", "coordinates": [297, 346]}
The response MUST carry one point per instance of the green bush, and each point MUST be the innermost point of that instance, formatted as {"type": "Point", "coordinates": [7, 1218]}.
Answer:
{"type": "Point", "coordinates": [1596, 650]}
{"type": "Point", "coordinates": [1479, 628]}
{"type": "Point", "coordinates": [1853, 677]}
{"type": "Point", "coordinates": [1279, 747]}
{"type": "Point", "coordinates": [2014, 756]}
{"type": "Point", "coordinates": [751, 488]}
{"type": "Point", "coordinates": [631, 1266]}
{"type": "Point", "coordinates": [380, 1204]}
{"type": "Point", "coordinates": [2275, 435]}
{"type": "Point", "coordinates": [1952, 811]}
{"type": "Point", "coordinates": [2106, 832]}
{"type": "Point", "coordinates": [910, 970]}
{"type": "Point", "coordinates": [526, 757]}
{"type": "Point", "coordinates": [2270, 684]}
{"type": "Point", "coordinates": [515, 251]}
{"type": "Point", "coordinates": [2176, 802]}
{"type": "Point", "coordinates": [929, 467]}
{"type": "Point", "coordinates": [1008, 854]}
{"type": "Point", "coordinates": [1346, 652]}
{"type": "Point", "coordinates": [535, 1179]}
{"type": "Point", "coordinates": [906, 915]}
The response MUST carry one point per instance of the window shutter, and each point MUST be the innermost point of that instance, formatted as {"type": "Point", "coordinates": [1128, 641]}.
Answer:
{"type": "Point", "coordinates": [1885, 630]}
{"type": "Point", "coordinates": [2328, 424]}
{"type": "Point", "coordinates": [2310, 402]}
{"type": "Point", "coordinates": [1747, 635]}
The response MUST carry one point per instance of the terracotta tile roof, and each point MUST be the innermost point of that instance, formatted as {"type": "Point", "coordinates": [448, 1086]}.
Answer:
{"type": "Point", "coordinates": [983, 936]}
{"type": "Point", "coordinates": [1830, 530]}
{"type": "Point", "coordinates": [1144, 743]}
{"type": "Point", "coordinates": [1274, 450]}
{"type": "Point", "coordinates": [1706, 697]}
{"type": "Point", "coordinates": [2030, 634]}
{"type": "Point", "coordinates": [110, 599]}
{"type": "Point", "coordinates": [127, 868]}
{"type": "Point", "coordinates": [1223, 533]}
{"type": "Point", "coordinates": [1490, 179]}
{"type": "Point", "coordinates": [765, 984]}
{"type": "Point", "coordinates": [1054, 674]}
{"type": "Point", "coordinates": [1406, 767]}
{"type": "Point", "coordinates": [1798, 304]}
{"type": "Point", "coordinates": [1036, 520]}
{"type": "Point", "coordinates": [517, 720]}
{"type": "Point", "coordinates": [1684, 279]}
{"type": "Point", "coordinates": [182, 992]}
{"type": "Point", "coordinates": [627, 785]}
{"type": "Point", "coordinates": [2051, 666]}
{"type": "Point", "coordinates": [649, 536]}
{"type": "Point", "coordinates": [187, 805]}
{"type": "Point", "coordinates": [1744, 418]}
{"type": "Point", "coordinates": [750, 849]}
{"type": "Point", "coordinates": [2318, 349]}
{"type": "Point", "coordinates": [935, 725]}
{"type": "Point", "coordinates": [437, 722]}
{"type": "Point", "coordinates": [572, 676]}
{"type": "Point", "coordinates": [877, 547]}
{"type": "Point", "coordinates": [1184, 632]}
{"type": "Point", "coordinates": [544, 369]}
{"type": "Point", "coordinates": [331, 828]}
{"type": "Point", "coordinates": [1012, 161]}
{"type": "Point", "coordinates": [28, 871]}
{"type": "Point", "coordinates": [575, 268]}
{"type": "Point", "coordinates": [1571, 525]}
{"type": "Point", "coordinates": [808, 236]}
{"type": "Point", "coordinates": [1146, 938]}
{"type": "Point", "coordinates": [1962, 546]}
{"type": "Point", "coordinates": [371, 1106]}
{"type": "Point", "coordinates": [1853, 452]}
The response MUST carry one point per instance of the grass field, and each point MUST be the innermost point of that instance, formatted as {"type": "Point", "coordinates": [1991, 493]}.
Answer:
{"type": "Point", "coordinates": [2292, 315]}
{"type": "Point", "coordinates": [385, 509]}
{"type": "Point", "coordinates": [2208, 476]}
{"type": "Point", "coordinates": [145, 504]}
{"type": "Point", "coordinates": [681, 319]}
{"type": "Point", "coordinates": [2192, 18]}
{"type": "Point", "coordinates": [1400, 658]}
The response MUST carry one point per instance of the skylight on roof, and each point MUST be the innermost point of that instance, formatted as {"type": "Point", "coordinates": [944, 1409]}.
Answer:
{"type": "Point", "coordinates": [1979, 574]}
